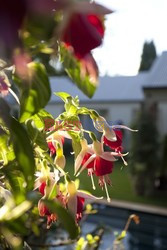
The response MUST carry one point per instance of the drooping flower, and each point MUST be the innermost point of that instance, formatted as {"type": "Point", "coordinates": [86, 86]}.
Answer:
{"type": "Point", "coordinates": [112, 135]}
{"type": "Point", "coordinates": [44, 175]}
{"type": "Point", "coordinates": [109, 132]}
{"type": "Point", "coordinates": [53, 140]}
{"type": "Point", "coordinates": [57, 138]}
{"type": "Point", "coordinates": [46, 182]}
{"type": "Point", "coordinates": [82, 27]}
{"type": "Point", "coordinates": [98, 162]}
{"type": "Point", "coordinates": [76, 199]}
{"type": "Point", "coordinates": [84, 22]}
{"type": "Point", "coordinates": [60, 160]}
{"type": "Point", "coordinates": [115, 145]}
{"type": "Point", "coordinates": [83, 156]}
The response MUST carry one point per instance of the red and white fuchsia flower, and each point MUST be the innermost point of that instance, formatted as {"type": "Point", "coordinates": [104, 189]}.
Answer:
{"type": "Point", "coordinates": [98, 162]}
{"type": "Point", "coordinates": [71, 199]}
{"type": "Point", "coordinates": [92, 157]}
{"type": "Point", "coordinates": [76, 199]}
{"type": "Point", "coordinates": [56, 138]}
{"type": "Point", "coordinates": [55, 144]}
{"type": "Point", "coordinates": [112, 135]}
{"type": "Point", "coordinates": [46, 183]}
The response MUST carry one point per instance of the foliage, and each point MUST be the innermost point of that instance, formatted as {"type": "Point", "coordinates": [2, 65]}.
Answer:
{"type": "Point", "coordinates": [144, 154]}
{"type": "Point", "coordinates": [148, 56]}
{"type": "Point", "coordinates": [163, 171]}
{"type": "Point", "coordinates": [35, 187]}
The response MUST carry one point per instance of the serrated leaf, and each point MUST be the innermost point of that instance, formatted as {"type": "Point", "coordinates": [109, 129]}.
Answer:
{"type": "Point", "coordinates": [35, 91]}
{"type": "Point", "coordinates": [64, 217]}
{"type": "Point", "coordinates": [73, 69]}
{"type": "Point", "coordinates": [23, 151]}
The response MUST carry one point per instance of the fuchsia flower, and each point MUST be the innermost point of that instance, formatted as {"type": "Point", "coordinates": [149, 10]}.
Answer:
{"type": "Point", "coordinates": [97, 161]}
{"type": "Point", "coordinates": [76, 199]}
{"type": "Point", "coordinates": [57, 138]}
{"type": "Point", "coordinates": [116, 145]}
{"type": "Point", "coordinates": [112, 135]}
{"type": "Point", "coordinates": [82, 27]}
{"type": "Point", "coordinates": [47, 181]}
{"type": "Point", "coordinates": [84, 23]}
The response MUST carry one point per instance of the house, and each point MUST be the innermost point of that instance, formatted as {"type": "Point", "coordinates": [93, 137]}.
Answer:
{"type": "Point", "coordinates": [119, 98]}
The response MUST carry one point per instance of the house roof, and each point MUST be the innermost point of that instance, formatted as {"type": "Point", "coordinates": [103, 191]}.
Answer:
{"type": "Point", "coordinates": [157, 75]}
{"type": "Point", "coordinates": [120, 88]}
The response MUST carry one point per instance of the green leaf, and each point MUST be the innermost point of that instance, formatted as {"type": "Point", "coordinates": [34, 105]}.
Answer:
{"type": "Point", "coordinates": [73, 69]}
{"type": "Point", "coordinates": [6, 150]}
{"type": "Point", "coordinates": [83, 111]}
{"type": "Point", "coordinates": [65, 218]}
{"type": "Point", "coordinates": [23, 151]}
{"type": "Point", "coordinates": [35, 91]}
{"type": "Point", "coordinates": [4, 112]}
{"type": "Point", "coordinates": [53, 192]}
{"type": "Point", "coordinates": [76, 100]}
{"type": "Point", "coordinates": [43, 119]}
{"type": "Point", "coordinates": [75, 142]}
{"type": "Point", "coordinates": [62, 95]}
{"type": "Point", "coordinates": [36, 135]}
{"type": "Point", "coordinates": [18, 210]}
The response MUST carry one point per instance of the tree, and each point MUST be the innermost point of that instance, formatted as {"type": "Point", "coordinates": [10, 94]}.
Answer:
{"type": "Point", "coordinates": [148, 56]}
{"type": "Point", "coordinates": [144, 154]}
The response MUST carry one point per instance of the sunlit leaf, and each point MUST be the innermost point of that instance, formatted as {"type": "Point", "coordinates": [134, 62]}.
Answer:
{"type": "Point", "coordinates": [36, 136]}
{"type": "Point", "coordinates": [62, 95]}
{"type": "Point", "coordinates": [19, 210]}
{"type": "Point", "coordinates": [43, 119]}
{"type": "Point", "coordinates": [23, 151]}
{"type": "Point", "coordinates": [74, 71]}
{"type": "Point", "coordinates": [6, 149]}
{"type": "Point", "coordinates": [35, 91]}
{"type": "Point", "coordinates": [75, 142]}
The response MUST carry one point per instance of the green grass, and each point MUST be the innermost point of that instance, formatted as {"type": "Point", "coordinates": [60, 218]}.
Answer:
{"type": "Point", "coordinates": [121, 189]}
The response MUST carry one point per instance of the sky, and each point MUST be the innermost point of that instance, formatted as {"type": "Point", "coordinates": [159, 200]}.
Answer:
{"type": "Point", "coordinates": [133, 23]}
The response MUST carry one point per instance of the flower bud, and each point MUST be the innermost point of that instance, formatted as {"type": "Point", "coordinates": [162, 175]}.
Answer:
{"type": "Point", "coordinates": [98, 148]}
{"type": "Point", "coordinates": [100, 124]}
{"type": "Point", "coordinates": [84, 144]}
{"type": "Point", "coordinates": [71, 188]}
{"type": "Point", "coordinates": [60, 161]}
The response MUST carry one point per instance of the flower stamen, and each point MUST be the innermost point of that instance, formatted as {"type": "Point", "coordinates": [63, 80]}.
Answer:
{"type": "Point", "coordinates": [90, 173]}
{"type": "Point", "coordinates": [106, 189]}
